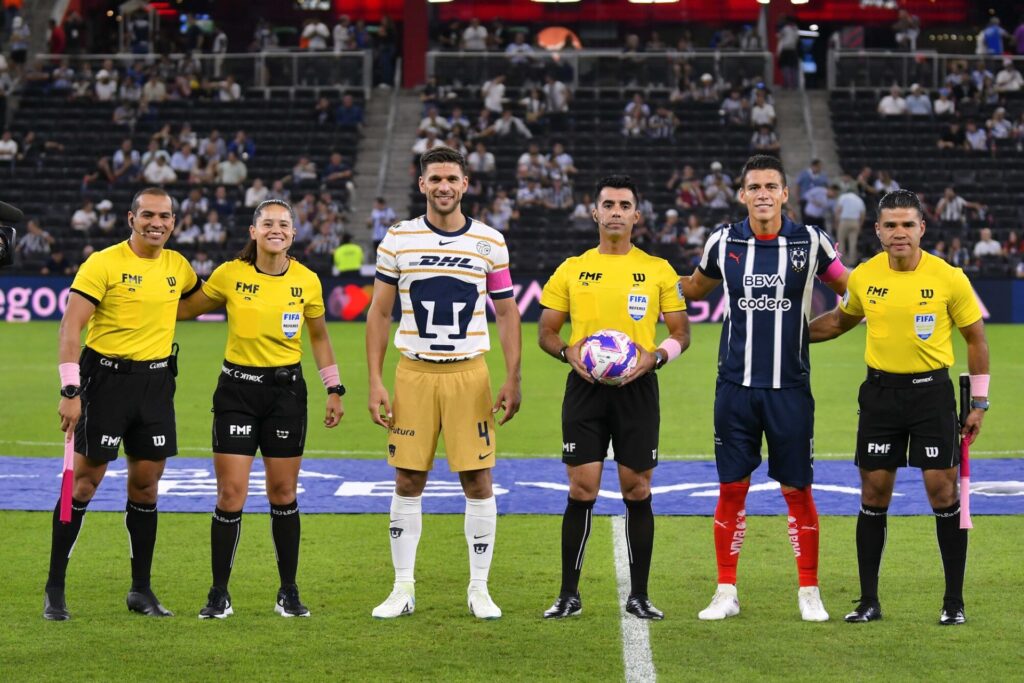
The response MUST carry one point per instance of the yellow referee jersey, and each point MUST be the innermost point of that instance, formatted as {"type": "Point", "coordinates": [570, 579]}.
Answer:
{"type": "Point", "coordinates": [136, 300]}
{"type": "Point", "coordinates": [265, 312]}
{"type": "Point", "coordinates": [621, 292]}
{"type": "Point", "coordinates": [910, 314]}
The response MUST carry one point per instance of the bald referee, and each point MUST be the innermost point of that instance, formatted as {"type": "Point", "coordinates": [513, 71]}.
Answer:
{"type": "Point", "coordinates": [912, 300]}
{"type": "Point", "coordinates": [120, 387]}
{"type": "Point", "coordinates": [616, 286]}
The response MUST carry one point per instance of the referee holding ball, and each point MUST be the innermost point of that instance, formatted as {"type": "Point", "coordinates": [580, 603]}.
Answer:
{"type": "Point", "coordinates": [620, 287]}
{"type": "Point", "coordinates": [911, 300]}
{"type": "Point", "coordinates": [120, 387]}
{"type": "Point", "coordinates": [260, 401]}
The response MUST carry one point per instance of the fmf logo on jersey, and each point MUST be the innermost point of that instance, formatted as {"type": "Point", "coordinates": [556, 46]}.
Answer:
{"type": "Point", "coordinates": [924, 325]}
{"type": "Point", "coordinates": [798, 258]}
{"type": "Point", "coordinates": [763, 303]}
{"type": "Point", "coordinates": [637, 306]}
{"type": "Point", "coordinates": [290, 323]}
{"type": "Point", "coordinates": [760, 280]}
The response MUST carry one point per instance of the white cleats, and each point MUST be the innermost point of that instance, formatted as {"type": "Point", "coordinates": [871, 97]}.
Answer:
{"type": "Point", "coordinates": [725, 603]}
{"type": "Point", "coordinates": [811, 607]}
{"type": "Point", "coordinates": [481, 606]}
{"type": "Point", "coordinates": [401, 603]}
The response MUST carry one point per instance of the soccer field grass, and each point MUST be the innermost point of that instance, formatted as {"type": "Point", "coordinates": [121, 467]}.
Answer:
{"type": "Point", "coordinates": [345, 568]}
{"type": "Point", "coordinates": [28, 425]}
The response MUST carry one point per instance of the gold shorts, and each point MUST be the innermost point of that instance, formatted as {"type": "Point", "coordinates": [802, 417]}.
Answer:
{"type": "Point", "coordinates": [435, 397]}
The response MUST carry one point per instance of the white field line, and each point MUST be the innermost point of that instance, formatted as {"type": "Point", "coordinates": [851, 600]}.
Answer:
{"type": "Point", "coordinates": [636, 641]}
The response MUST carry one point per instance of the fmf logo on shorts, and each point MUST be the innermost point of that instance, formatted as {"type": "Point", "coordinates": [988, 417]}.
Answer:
{"type": "Point", "coordinates": [111, 441]}
{"type": "Point", "coordinates": [290, 323]}
{"type": "Point", "coordinates": [879, 448]}
{"type": "Point", "coordinates": [240, 430]}
{"type": "Point", "coordinates": [764, 303]}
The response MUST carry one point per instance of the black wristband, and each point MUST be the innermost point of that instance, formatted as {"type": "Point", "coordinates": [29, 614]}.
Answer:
{"type": "Point", "coordinates": [561, 354]}
{"type": "Point", "coordinates": [338, 389]}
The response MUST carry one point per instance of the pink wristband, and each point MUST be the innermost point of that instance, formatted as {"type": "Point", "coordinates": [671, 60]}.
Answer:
{"type": "Point", "coordinates": [672, 348]}
{"type": "Point", "coordinates": [70, 373]}
{"type": "Point", "coordinates": [329, 376]}
{"type": "Point", "coordinates": [499, 280]}
{"type": "Point", "coordinates": [979, 385]}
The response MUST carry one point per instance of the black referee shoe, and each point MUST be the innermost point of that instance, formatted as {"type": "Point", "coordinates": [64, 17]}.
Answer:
{"type": "Point", "coordinates": [867, 610]}
{"type": "Point", "coordinates": [952, 613]}
{"type": "Point", "coordinates": [144, 602]}
{"type": "Point", "coordinates": [54, 606]}
{"type": "Point", "coordinates": [218, 605]}
{"type": "Point", "coordinates": [641, 608]}
{"type": "Point", "coordinates": [565, 606]}
{"type": "Point", "coordinates": [289, 604]}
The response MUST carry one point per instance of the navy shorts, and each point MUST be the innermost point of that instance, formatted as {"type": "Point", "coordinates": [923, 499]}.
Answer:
{"type": "Point", "coordinates": [786, 419]}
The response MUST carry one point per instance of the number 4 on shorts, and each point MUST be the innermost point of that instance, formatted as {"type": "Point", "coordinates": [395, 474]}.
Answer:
{"type": "Point", "coordinates": [484, 430]}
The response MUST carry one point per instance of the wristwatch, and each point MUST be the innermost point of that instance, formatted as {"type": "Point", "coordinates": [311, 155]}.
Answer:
{"type": "Point", "coordinates": [979, 404]}
{"type": "Point", "coordinates": [561, 354]}
{"type": "Point", "coordinates": [660, 360]}
{"type": "Point", "coordinates": [70, 390]}
{"type": "Point", "coordinates": [338, 389]}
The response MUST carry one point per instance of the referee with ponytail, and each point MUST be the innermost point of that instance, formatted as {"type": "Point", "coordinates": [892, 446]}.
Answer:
{"type": "Point", "coordinates": [260, 400]}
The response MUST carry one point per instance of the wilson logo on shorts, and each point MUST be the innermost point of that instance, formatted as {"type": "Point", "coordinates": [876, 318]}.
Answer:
{"type": "Point", "coordinates": [159, 440]}
{"type": "Point", "coordinates": [924, 325]}
{"type": "Point", "coordinates": [931, 451]}
{"type": "Point", "coordinates": [282, 433]}
{"type": "Point", "coordinates": [637, 306]}
{"type": "Point", "coordinates": [290, 323]}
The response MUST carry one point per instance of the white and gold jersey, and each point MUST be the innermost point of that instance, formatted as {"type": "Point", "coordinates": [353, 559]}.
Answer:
{"type": "Point", "coordinates": [443, 279]}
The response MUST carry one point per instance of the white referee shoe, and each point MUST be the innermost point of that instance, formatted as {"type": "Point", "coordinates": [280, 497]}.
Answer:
{"type": "Point", "coordinates": [811, 607]}
{"type": "Point", "coordinates": [480, 604]}
{"type": "Point", "coordinates": [725, 603]}
{"type": "Point", "coordinates": [401, 602]}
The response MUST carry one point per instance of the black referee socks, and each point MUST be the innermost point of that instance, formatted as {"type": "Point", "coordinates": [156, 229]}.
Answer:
{"type": "Point", "coordinates": [953, 548]}
{"type": "Point", "coordinates": [640, 540]}
{"type": "Point", "coordinates": [140, 519]}
{"type": "Point", "coordinates": [225, 530]}
{"type": "Point", "coordinates": [575, 532]}
{"type": "Point", "coordinates": [872, 523]}
{"type": "Point", "coordinates": [285, 528]}
{"type": "Point", "coordinates": [62, 542]}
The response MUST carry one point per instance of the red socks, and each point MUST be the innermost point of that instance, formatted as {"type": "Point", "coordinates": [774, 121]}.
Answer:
{"type": "Point", "coordinates": [803, 534]}
{"type": "Point", "coordinates": [730, 528]}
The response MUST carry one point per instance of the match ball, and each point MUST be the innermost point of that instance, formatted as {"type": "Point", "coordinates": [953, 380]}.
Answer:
{"type": "Point", "coordinates": [609, 356]}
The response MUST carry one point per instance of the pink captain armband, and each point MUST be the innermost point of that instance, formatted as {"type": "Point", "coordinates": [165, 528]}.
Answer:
{"type": "Point", "coordinates": [833, 272]}
{"type": "Point", "coordinates": [979, 385]}
{"type": "Point", "coordinates": [70, 373]}
{"type": "Point", "coordinates": [499, 280]}
{"type": "Point", "coordinates": [672, 348]}
{"type": "Point", "coordinates": [329, 376]}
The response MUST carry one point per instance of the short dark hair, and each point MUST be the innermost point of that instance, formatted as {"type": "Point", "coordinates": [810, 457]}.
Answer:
{"type": "Point", "coordinates": [618, 182]}
{"type": "Point", "coordinates": [762, 162]}
{"type": "Point", "coordinates": [442, 155]}
{"type": "Point", "coordinates": [900, 199]}
{"type": "Point", "coordinates": [154, 191]}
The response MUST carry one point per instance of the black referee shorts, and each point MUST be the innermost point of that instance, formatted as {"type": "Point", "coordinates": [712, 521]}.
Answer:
{"type": "Point", "coordinates": [628, 417]}
{"type": "Point", "coordinates": [915, 410]}
{"type": "Point", "coordinates": [260, 408]}
{"type": "Point", "coordinates": [126, 401]}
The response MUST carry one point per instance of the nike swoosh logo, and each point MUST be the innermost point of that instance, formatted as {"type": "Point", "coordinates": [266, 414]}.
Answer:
{"type": "Point", "coordinates": [480, 536]}
{"type": "Point", "coordinates": [484, 456]}
{"type": "Point", "coordinates": [394, 521]}
{"type": "Point", "coordinates": [444, 244]}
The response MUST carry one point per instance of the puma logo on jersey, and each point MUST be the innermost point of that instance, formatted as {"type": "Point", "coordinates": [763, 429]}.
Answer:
{"type": "Point", "coordinates": [734, 256]}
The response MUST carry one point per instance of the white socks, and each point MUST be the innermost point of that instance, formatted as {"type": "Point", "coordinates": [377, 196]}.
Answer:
{"type": "Point", "coordinates": [481, 520]}
{"type": "Point", "coordinates": [406, 526]}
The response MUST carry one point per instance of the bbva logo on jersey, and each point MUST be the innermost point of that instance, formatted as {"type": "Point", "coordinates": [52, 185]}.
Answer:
{"type": "Point", "coordinates": [290, 324]}
{"type": "Point", "coordinates": [924, 325]}
{"type": "Point", "coordinates": [637, 306]}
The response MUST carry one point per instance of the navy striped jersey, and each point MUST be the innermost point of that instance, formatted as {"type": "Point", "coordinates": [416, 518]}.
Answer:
{"type": "Point", "coordinates": [768, 285]}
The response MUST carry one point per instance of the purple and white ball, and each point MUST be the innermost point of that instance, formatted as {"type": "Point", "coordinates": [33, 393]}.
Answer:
{"type": "Point", "coordinates": [609, 356]}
